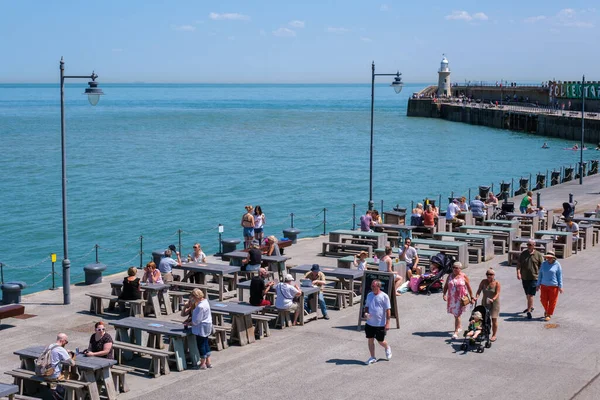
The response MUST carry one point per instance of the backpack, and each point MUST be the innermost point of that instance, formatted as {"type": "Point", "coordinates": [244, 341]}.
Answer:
{"type": "Point", "coordinates": [43, 364]}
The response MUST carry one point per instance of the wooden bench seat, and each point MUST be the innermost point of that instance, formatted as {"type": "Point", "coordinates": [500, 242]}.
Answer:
{"type": "Point", "coordinates": [219, 338]}
{"type": "Point", "coordinates": [11, 310]}
{"type": "Point", "coordinates": [475, 252]}
{"type": "Point", "coordinates": [119, 375]}
{"type": "Point", "coordinates": [177, 299]}
{"type": "Point", "coordinates": [23, 397]}
{"type": "Point", "coordinates": [136, 307]}
{"type": "Point", "coordinates": [74, 390]}
{"type": "Point", "coordinates": [345, 249]}
{"type": "Point", "coordinates": [343, 297]}
{"type": "Point", "coordinates": [159, 357]}
{"type": "Point", "coordinates": [262, 324]}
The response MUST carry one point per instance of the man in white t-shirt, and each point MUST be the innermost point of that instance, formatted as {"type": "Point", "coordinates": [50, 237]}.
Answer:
{"type": "Point", "coordinates": [286, 292]}
{"type": "Point", "coordinates": [409, 254]}
{"type": "Point", "coordinates": [452, 211]}
{"type": "Point", "coordinates": [58, 354]}
{"type": "Point", "coordinates": [377, 310]}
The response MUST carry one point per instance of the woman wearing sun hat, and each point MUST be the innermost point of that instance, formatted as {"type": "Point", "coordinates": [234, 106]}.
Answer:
{"type": "Point", "coordinates": [549, 283]}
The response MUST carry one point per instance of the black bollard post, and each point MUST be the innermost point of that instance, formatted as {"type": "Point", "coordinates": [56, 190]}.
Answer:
{"type": "Point", "coordinates": [538, 199]}
{"type": "Point", "coordinates": [179, 234]}
{"type": "Point", "coordinates": [292, 220]}
{"type": "Point", "coordinates": [439, 201]}
{"type": "Point", "coordinates": [469, 195]}
{"type": "Point", "coordinates": [571, 198]}
{"type": "Point", "coordinates": [381, 209]}
{"type": "Point", "coordinates": [512, 187]}
{"type": "Point", "coordinates": [141, 251]}
{"type": "Point", "coordinates": [324, 221]}
{"type": "Point", "coordinates": [96, 247]}
{"type": "Point", "coordinates": [492, 189]}
{"type": "Point", "coordinates": [412, 205]}
{"type": "Point", "coordinates": [529, 181]}
{"type": "Point", "coordinates": [354, 216]}
{"type": "Point", "coordinates": [53, 260]}
{"type": "Point", "coordinates": [1, 273]}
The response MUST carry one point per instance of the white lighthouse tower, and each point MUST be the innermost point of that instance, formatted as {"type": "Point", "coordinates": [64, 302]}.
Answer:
{"type": "Point", "coordinates": [444, 89]}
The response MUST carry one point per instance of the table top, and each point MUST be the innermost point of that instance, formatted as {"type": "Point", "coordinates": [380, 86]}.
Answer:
{"type": "Point", "coordinates": [524, 240]}
{"type": "Point", "coordinates": [356, 233]}
{"type": "Point", "coordinates": [275, 258]}
{"type": "Point", "coordinates": [210, 268]}
{"type": "Point", "coordinates": [234, 308]}
{"type": "Point", "coordinates": [6, 389]}
{"type": "Point", "coordinates": [489, 228]}
{"type": "Point", "coordinates": [586, 219]}
{"type": "Point", "coordinates": [152, 325]}
{"type": "Point", "coordinates": [501, 221]}
{"type": "Point", "coordinates": [81, 362]}
{"type": "Point", "coordinates": [439, 243]}
{"type": "Point", "coordinates": [519, 215]}
{"type": "Point", "coordinates": [330, 271]}
{"type": "Point", "coordinates": [395, 226]}
{"type": "Point", "coordinates": [553, 232]}
{"type": "Point", "coordinates": [143, 286]}
{"type": "Point", "coordinates": [305, 290]}
{"type": "Point", "coordinates": [237, 254]}
{"type": "Point", "coordinates": [461, 235]}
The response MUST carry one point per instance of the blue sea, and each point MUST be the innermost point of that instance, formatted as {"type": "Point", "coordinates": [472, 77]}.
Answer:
{"type": "Point", "coordinates": [169, 160]}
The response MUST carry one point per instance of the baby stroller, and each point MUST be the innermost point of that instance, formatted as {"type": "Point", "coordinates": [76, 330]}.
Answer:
{"type": "Point", "coordinates": [507, 208]}
{"type": "Point", "coordinates": [568, 210]}
{"type": "Point", "coordinates": [482, 341]}
{"type": "Point", "coordinates": [433, 283]}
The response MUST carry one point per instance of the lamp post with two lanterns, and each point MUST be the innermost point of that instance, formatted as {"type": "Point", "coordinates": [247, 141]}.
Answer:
{"type": "Point", "coordinates": [397, 84]}
{"type": "Point", "coordinates": [93, 92]}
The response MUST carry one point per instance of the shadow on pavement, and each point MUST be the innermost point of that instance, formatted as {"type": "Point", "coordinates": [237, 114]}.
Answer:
{"type": "Point", "coordinates": [445, 334]}
{"type": "Point", "coordinates": [339, 361]}
{"type": "Point", "coordinates": [348, 327]}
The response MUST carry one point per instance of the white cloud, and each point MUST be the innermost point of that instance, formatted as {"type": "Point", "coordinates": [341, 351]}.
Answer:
{"type": "Point", "coordinates": [185, 28]}
{"type": "Point", "coordinates": [284, 32]}
{"type": "Point", "coordinates": [296, 24]}
{"type": "Point", "coordinates": [384, 7]}
{"type": "Point", "coordinates": [459, 15]}
{"type": "Point", "coordinates": [465, 16]}
{"type": "Point", "coordinates": [569, 18]}
{"type": "Point", "coordinates": [365, 39]}
{"type": "Point", "coordinates": [332, 29]}
{"type": "Point", "coordinates": [228, 16]}
{"type": "Point", "coordinates": [533, 20]}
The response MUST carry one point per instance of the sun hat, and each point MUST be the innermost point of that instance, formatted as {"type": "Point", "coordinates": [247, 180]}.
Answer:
{"type": "Point", "coordinates": [289, 278]}
{"type": "Point", "coordinates": [315, 268]}
{"type": "Point", "coordinates": [550, 254]}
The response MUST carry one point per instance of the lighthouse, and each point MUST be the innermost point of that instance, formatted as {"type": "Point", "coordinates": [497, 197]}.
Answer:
{"type": "Point", "coordinates": [444, 79]}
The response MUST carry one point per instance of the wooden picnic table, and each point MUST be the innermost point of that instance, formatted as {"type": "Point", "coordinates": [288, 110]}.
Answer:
{"type": "Point", "coordinates": [461, 248]}
{"type": "Point", "coordinates": [546, 244]}
{"type": "Point", "coordinates": [346, 277]}
{"type": "Point", "coordinates": [467, 216]}
{"type": "Point", "coordinates": [485, 242]}
{"type": "Point", "coordinates": [132, 330]}
{"type": "Point", "coordinates": [336, 236]}
{"type": "Point", "coordinates": [215, 269]}
{"type": "Point", "coordinates": [404, 231]}
{"type": "Point", "coordinates": [242, 328]}
{"type": "Point", "coordinates": [586, 232]}
{"type": "Point", "coordinates": [568, 237]}
{"type": "Point", "coordinates": [9, 391]}
{"type": "Point", "coordinates": [532, 220]}
{"type": "Point", "coordinates": [90, 369]}
{"type": "Point", "coordinates": [506, 223]}
{"type": "Point", "coordinates": [499, 232]}
{"type": "Point", "coordinates": [276, 264]}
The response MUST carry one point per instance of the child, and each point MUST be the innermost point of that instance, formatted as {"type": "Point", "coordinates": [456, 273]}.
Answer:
{"type": "Point", "coordinates": [360, 263]}
{"type": "Point", "coordinates": [475, 326]}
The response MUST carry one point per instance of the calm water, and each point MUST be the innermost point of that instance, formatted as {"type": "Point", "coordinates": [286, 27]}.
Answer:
{"type": "Point", "coordinates": [152, 159]}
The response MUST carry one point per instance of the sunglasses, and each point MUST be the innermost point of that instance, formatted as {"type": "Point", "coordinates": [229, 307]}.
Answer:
{"type": "Point", "coordinates": [490, 274]}
{"type": "Point", "coordinates": [100, 329]}
{"type": "Point", "coordinates": [196, 247]}
{"type": "Point", "coordinates": [529, 245]}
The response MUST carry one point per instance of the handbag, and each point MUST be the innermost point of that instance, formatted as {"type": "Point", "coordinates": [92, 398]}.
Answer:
{"type": "Point", "coordinates": [465, 301]}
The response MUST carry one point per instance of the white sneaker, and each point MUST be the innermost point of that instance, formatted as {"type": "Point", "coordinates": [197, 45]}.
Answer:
{"type": "Point", "coordinates": [371, 360]}
{"type": "Point", "coordinates": [388, 352]}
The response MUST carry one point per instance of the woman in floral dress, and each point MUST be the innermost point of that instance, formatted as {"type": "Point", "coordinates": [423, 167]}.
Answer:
{"type": "Point", "coordinates": [457, 286]}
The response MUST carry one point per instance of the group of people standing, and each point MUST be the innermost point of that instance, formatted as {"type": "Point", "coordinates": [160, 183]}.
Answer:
{"type": "Point", "coordinates": [253, 222]}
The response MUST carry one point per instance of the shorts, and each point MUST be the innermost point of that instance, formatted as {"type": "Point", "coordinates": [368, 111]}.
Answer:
{"type": "Point", "coordinates": [377, 332]}
{"type": "Point", "coordinates": [250, 267]}
{"type": "Point", "coordinates": [529, 286]}
{"type": "Point", "coordinates": [248, 232]}
{"type": "Point", "coordinates": [258, 230]}
{"type": "Point", "coordinates": [293, 308]}
{"type": "Point", "coordinates": [167, 277]}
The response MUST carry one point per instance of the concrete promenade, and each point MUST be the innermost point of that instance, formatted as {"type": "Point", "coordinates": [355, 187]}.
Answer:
{"type": "Point", "coordinates": [530, 360]}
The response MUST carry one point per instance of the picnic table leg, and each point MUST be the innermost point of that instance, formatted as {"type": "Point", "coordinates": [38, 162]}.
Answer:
{"type": "Point", "coordinates": [109, 384]}
{"type": "Point", "coordinates": [164, 296]}
{"type": "Point", "coordinates": [220, 279]}
{"type": "Point", "coordinates": [179, 349]}
{"type": "Point", "coordinates": [240, 293]}
{"type": "Point", "coordinates": [90, 376]}
{"type": "Point", "coordinates": [193, 349]}
{"type": "Point", "coordinates": [155, 303]}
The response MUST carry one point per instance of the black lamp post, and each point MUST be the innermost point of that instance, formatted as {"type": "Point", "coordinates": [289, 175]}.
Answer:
{"type": "Point", "coordinates": [93, 93]}
{"type": "Point", "coordinates": [397, 84]}
{"type": "Point", "coordinates": [582, 130]}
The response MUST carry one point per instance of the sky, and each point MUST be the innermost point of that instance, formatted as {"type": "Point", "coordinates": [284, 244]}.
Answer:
{"type": "Point", "coordinates": [302, 41]}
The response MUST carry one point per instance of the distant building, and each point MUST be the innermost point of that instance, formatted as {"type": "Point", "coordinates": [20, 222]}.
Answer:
{"type": "Point", "coordinates": [444, 79]}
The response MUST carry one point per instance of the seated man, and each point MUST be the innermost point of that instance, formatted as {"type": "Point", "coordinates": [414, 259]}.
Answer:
{"type": "Point", "coordinates": [478, 207]}
{"type": "Point", "coordinates": [286, 293]}
{"type": "Point", "coordinates": [366, 221]}
{"type": "Point", "coordinates": [318, 279]}
{"type": "Point", "coordinates": [572, 227]}
{"type": "Point", "coordinates": [166, 265]}
{"type": "Point", "coordinates": [259, 288]}
{"type": "Point", "coordinates": [491, 199]}
{"type": "Point", "coordinates": [452, 211]}
{"type": "Point", "coordinates": [50, 364]}
{"type": "Point", "coordinates": [409, 254]}
{"type": "Point", "coordinates": [252, 263]}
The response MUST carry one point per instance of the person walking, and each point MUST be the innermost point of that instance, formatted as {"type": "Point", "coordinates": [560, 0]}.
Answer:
{"type": "Point", "coordinates": [550, 284]}
{"type": "Point", "coordinates": [455, 294]}
{"type": "Point", "coordinates": [528, 266]}
{"type": "Point", "coordinates": [490, 288]}
{"type": "Point", "coordinates": [202, 326]}
{"type": "Point", "coordinates": [377, 310]}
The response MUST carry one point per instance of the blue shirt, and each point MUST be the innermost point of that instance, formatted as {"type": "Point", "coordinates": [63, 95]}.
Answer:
{"type": "Point", "coordinates": [550, 274]}
{"type": "Point", "coordinates": [477, 208]}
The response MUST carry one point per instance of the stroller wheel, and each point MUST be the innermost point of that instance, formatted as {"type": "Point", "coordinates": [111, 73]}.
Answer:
{"type": "Point", "coordinates": [481, 349]}
{"type": "Point", "coordinates": [488, 344]}
{"type": "Point", "coordinates": [463, 347]}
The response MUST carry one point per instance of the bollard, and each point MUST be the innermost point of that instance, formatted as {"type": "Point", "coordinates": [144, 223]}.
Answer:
{"type": "Point", "coordinates": [96, 248]}
{"type": "Point", "coordinates": [538, 199]}
{"type": "Point", "coordinates": [325, 220]}
{"type": "Point", "coordinates": [157, 255]}
{"type": "Point", "coordinates": [11, 292]}
{"type": "Point", "coordinates": [292, 234]}
{"type": "Point", "coordinates": [381, 209]}
{"type": "Point", "coordinates": [512, 187]}
{"type": "Point", "coordinates": [93, 273]}
{"type": "Point", "coordinates": [220, 229]}
{"type": "Point", "coordinates": [354, 216]}
{"type": "Point", "coordinates": [412, 205]}
{"type": "Point", "coordinates": [570, 197]}
{"type": "Point", "coordinates": [229, 245]}
{"type": "Point", "coordinates": [469, 195]}
{"type": "Point", "coordinates": [141, 252]}
{"type": "Point", "coordinates": [53, 260]}
{"type": "Point", "coordinates": [1, 273]}
{"type": "Point", "coordinates": [292, 220]}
